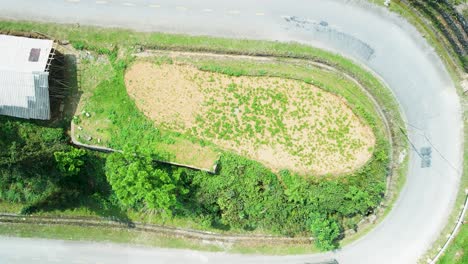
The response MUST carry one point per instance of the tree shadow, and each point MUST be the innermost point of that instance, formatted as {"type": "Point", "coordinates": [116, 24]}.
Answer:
{"type": "Point", "coordinates": [70, 200]}
{"type": "Point", "coordinates": [64, 92]}
{"type": "Point", "coordinates": [87, 191]}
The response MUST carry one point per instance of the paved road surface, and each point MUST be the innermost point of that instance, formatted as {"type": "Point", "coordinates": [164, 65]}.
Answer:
{"type": "Point", "coordinates": [370, 35]}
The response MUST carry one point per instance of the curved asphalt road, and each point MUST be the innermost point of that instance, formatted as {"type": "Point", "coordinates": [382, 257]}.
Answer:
{"type": "Point", "coordinates": [370, 35]}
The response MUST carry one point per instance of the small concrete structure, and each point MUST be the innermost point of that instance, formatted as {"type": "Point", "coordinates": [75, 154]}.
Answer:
{"type": "Point", "coordinates": [24, 77]}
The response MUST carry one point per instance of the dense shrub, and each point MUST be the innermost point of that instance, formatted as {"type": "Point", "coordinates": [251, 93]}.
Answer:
{"type": "Point", "coordinates": [140, 184]}
{"type": "Point", "coordinates": [245, 194]}
{"type": "Point", "coordinates": [35, 160]}
{"type": "Point", "coordinates": [70, 162]}
{"type": "Point", "coordinates": [27, 165]}
{"type": "Point", "coordinates": [325, 230]}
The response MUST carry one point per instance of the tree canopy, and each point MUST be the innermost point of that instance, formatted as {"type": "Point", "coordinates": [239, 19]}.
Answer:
{"type": "Point", "coordinates": [138, 183]}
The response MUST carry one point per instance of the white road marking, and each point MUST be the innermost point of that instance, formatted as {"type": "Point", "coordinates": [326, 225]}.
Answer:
{"type": "Point", "coordinates": [128, 4]}
{"type": "Point", "coordinates": [234, 12]}
{"type": "Point", "coordinates": [73, 1]}
{"type": "Point", "coordinates": [207, 10]}
{"type": "Point", "coordinates": [101, 2]}
{"type": "Point", "coordinates": [181, 8]}
{"type": "Point", "coordinates": [155, 6]}
{"type": "Point", "coordinates": [259, 14]}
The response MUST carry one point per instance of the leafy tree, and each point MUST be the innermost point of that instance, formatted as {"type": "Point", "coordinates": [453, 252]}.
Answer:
{"type": "Point", "coordinates": [138, 184]}
{"type": "Point", "coordinates": [325, 230]}
{"type": "Point", "coordinates": [70, 162]}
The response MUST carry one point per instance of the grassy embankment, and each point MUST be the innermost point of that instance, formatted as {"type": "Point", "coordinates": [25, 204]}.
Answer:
{"type": "Point", "coordinates": [128, 236]}
{"type": "Point", "coordinates": [102, 41]}
{"type": "Point", "coordinates": [110, 100]}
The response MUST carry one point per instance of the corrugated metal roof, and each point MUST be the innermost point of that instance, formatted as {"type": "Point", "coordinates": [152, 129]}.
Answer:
{"type": "Point", "coordinates": [25, 95]}
{"type": "Point", "coordinates": [15, 87]}
{"type": "Point", "coordinates": [15, 53]}
{"type": "Point", "coordinates": [24, 84]}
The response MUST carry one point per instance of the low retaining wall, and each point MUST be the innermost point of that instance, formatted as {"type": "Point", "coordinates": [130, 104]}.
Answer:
{"type": "Point", "coordinates": [75, 142]}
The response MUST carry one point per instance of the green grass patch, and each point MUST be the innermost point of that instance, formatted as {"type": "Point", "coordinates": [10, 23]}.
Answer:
{"type": "Point", "coordinates": [101, 234]}
{"type": "Point", "coordinates": [13, 208]}
{"type": "Point", "coordinates": [129, 236]}
{"type": "Point", "coordinates": [274, 249]}
{"type": "Point", "coordinates": [457, 252]}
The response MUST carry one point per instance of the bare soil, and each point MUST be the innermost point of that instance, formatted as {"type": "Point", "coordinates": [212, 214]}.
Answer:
{"type": "Point", "coordinates": [285, 124]}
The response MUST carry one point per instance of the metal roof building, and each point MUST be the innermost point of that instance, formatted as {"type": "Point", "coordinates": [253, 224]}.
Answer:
{"type": "Point", "coordinates": [24, 77]}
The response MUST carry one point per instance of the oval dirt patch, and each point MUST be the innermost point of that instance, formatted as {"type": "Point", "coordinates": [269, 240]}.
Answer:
{"type": "Point", "coordinates": [285, 124]}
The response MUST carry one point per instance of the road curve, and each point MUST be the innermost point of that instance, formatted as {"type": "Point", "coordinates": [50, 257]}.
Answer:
{"type": "Point", "coordinates": [371, 36]}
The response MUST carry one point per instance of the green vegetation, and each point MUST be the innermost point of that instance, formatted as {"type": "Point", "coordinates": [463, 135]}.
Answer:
{"type": "Point", "coordinates": [457, 252]}
{"type": "Point", "coordinates": [138, 185]}
{"type": "Point", "coordinates": [243, 196]}
{"type": "Point", "coordinates": [108, 108]}
{"type": "Point", "coordinates": [327, 80]}
{"type": "Point", "coordinates": [70, 163]}
{"type": "Point", "coordinates": [448, 22]}
{"type": "Point", "coordinates": [127, 236]}
{"type": "Point", "coordinates": [36, 165]}
{"type": "Point", "coordinates": [101, 234]}
{"type": "Point", "coordinates": [27, 168]}
{"type": "Point", "coordinates": [109, 98]}
{"type": "Point", "coordinates": [326, 231]}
